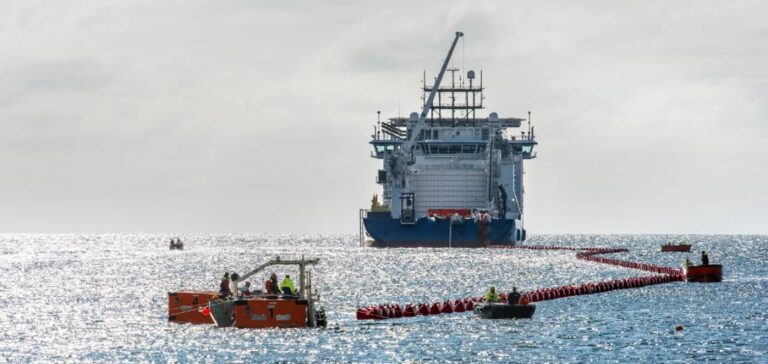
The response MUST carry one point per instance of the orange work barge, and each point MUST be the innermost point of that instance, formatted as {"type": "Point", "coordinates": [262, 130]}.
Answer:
{"type": "Point", "coordinates": [256, 311]}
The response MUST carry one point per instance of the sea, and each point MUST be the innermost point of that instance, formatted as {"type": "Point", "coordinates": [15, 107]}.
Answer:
{"type": "Point", "coordinates": [104, 298]}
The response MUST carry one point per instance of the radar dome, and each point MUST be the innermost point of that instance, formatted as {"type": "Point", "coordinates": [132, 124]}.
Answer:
{"type": "Point", "coordinates": [413, 117]}
{"type": "Point", "coordinates": [493, 117]}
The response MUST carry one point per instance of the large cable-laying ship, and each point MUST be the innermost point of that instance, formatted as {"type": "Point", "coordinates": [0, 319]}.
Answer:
{"type": "Point", "coordinates": [449, 177]}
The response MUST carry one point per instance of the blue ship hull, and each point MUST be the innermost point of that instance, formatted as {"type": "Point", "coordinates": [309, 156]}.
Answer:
{"type": "Point", "coordinates": [425, 232]}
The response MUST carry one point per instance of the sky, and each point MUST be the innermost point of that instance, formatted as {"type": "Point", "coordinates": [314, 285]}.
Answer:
{"type": "Point", "coordinates": [255, 116]}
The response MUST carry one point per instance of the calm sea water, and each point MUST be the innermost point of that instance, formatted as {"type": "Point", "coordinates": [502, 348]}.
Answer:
{"type": "Point", "coordinates": [103, 298]}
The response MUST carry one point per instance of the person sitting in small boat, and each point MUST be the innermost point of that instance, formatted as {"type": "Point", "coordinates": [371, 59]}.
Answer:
{"type": "Point", "coordinates": [287, 287]}
{"type": "Point", "coordinates": [704, 258]}
{"type": "Point", "coordinates": [492, 296]}
{"type": "Point", "coordinates": [514, 297]}
{"type": "Point", "coordinates": [224, 290]}
{"type": "Point", "coordinates": [179, 244]}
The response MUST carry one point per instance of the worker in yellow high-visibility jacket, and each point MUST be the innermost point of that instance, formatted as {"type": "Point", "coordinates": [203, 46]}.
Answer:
{"type": "Point", "coordinates": [287, 287]}
{"type": "Point", "coordinates": [492, 296]}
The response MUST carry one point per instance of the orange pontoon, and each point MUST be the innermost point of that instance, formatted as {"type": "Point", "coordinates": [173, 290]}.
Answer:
{"type": "Point", "coordinates": [190, 306]}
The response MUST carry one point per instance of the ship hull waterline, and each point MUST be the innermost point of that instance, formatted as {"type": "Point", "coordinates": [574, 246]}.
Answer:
{"type": "Point", "coordinates": [387, 232]}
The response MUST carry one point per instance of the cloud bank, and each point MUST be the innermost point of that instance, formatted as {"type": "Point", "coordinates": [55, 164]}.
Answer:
{"type": "Point", "coordinates": [241, 116]}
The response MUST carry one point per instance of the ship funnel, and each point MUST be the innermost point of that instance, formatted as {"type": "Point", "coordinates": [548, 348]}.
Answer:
{"type": "Point", "coordinates": [471, 75]}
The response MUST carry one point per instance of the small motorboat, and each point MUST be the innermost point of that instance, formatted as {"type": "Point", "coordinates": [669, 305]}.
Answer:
{"type": "Point", "coordinates": [176, 244]}
{"type": "Point", "coordinates": [682, 247]}
{"type": "Point", "coordinates": [704, 273]}
{"type": "Point", "coordinates": [504, 311]}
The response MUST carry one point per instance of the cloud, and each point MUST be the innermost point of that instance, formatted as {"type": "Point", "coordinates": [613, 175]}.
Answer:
{"type": "Point", "coordinates": [255, 116]}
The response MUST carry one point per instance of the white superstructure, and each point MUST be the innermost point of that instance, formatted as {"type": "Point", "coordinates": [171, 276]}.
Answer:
{"type": "Point", "coordinates": [450, 159]}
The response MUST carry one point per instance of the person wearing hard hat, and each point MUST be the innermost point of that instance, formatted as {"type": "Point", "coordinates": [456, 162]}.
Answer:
{"type": "Point", "coordinates": [287, 287]}
{"type": "Point", "coordinates": [492, 296]}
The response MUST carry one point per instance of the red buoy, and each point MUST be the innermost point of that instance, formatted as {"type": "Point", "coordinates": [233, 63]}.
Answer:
{"type": "Point", "coordinates": [447, 307]}
{"type": "Point", "coordinates": [409, 311]}
{"type": "Point", "coordinates": [398, 311]}
{"type": "Point", "coordinates": [423, 309]}
{"type": "Point", "coordinates": [363, 314]}
{"type": "Point", "coordinates": [434, 309]}
{"type": "Point", "coordinates": [458, 306]}
{"type": "Point", "coordinates": [376, 314]}
{"type": "Point", "coordinates": [470, 305]}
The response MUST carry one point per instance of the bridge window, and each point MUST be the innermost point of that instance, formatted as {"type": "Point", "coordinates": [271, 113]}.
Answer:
{"type": "Point", "coordinates": [528, 149]}
{"type": "Point", "coordinates": [452, 149]}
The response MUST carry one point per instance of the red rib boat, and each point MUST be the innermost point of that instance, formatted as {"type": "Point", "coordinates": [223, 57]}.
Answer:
{"type": "Point", "coordinates": [676, 248]}
{"type": "Point", "coordinates": [704, 273]}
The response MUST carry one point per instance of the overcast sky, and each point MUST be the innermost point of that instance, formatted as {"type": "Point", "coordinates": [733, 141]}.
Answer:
{"type": "Point", "coordinates": [251, 116]}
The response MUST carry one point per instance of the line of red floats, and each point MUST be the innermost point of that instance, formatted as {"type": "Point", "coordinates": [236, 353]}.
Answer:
{"type": "Point", "coordinates": [382, 312]}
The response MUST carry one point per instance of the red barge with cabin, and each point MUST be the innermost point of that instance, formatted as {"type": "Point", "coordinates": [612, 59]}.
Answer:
{"type": "Point", "coordinates": [256, 311]}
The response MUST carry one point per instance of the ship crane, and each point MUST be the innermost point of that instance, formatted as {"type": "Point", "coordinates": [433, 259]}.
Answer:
{"type": "Point", "coordinates": [416, 130]}
{"type": "Point", "coordinates": [399, 161]}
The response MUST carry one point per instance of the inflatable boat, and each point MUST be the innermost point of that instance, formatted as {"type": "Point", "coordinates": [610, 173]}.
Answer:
{"type": "Point", "coordinates": [504, 311]}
